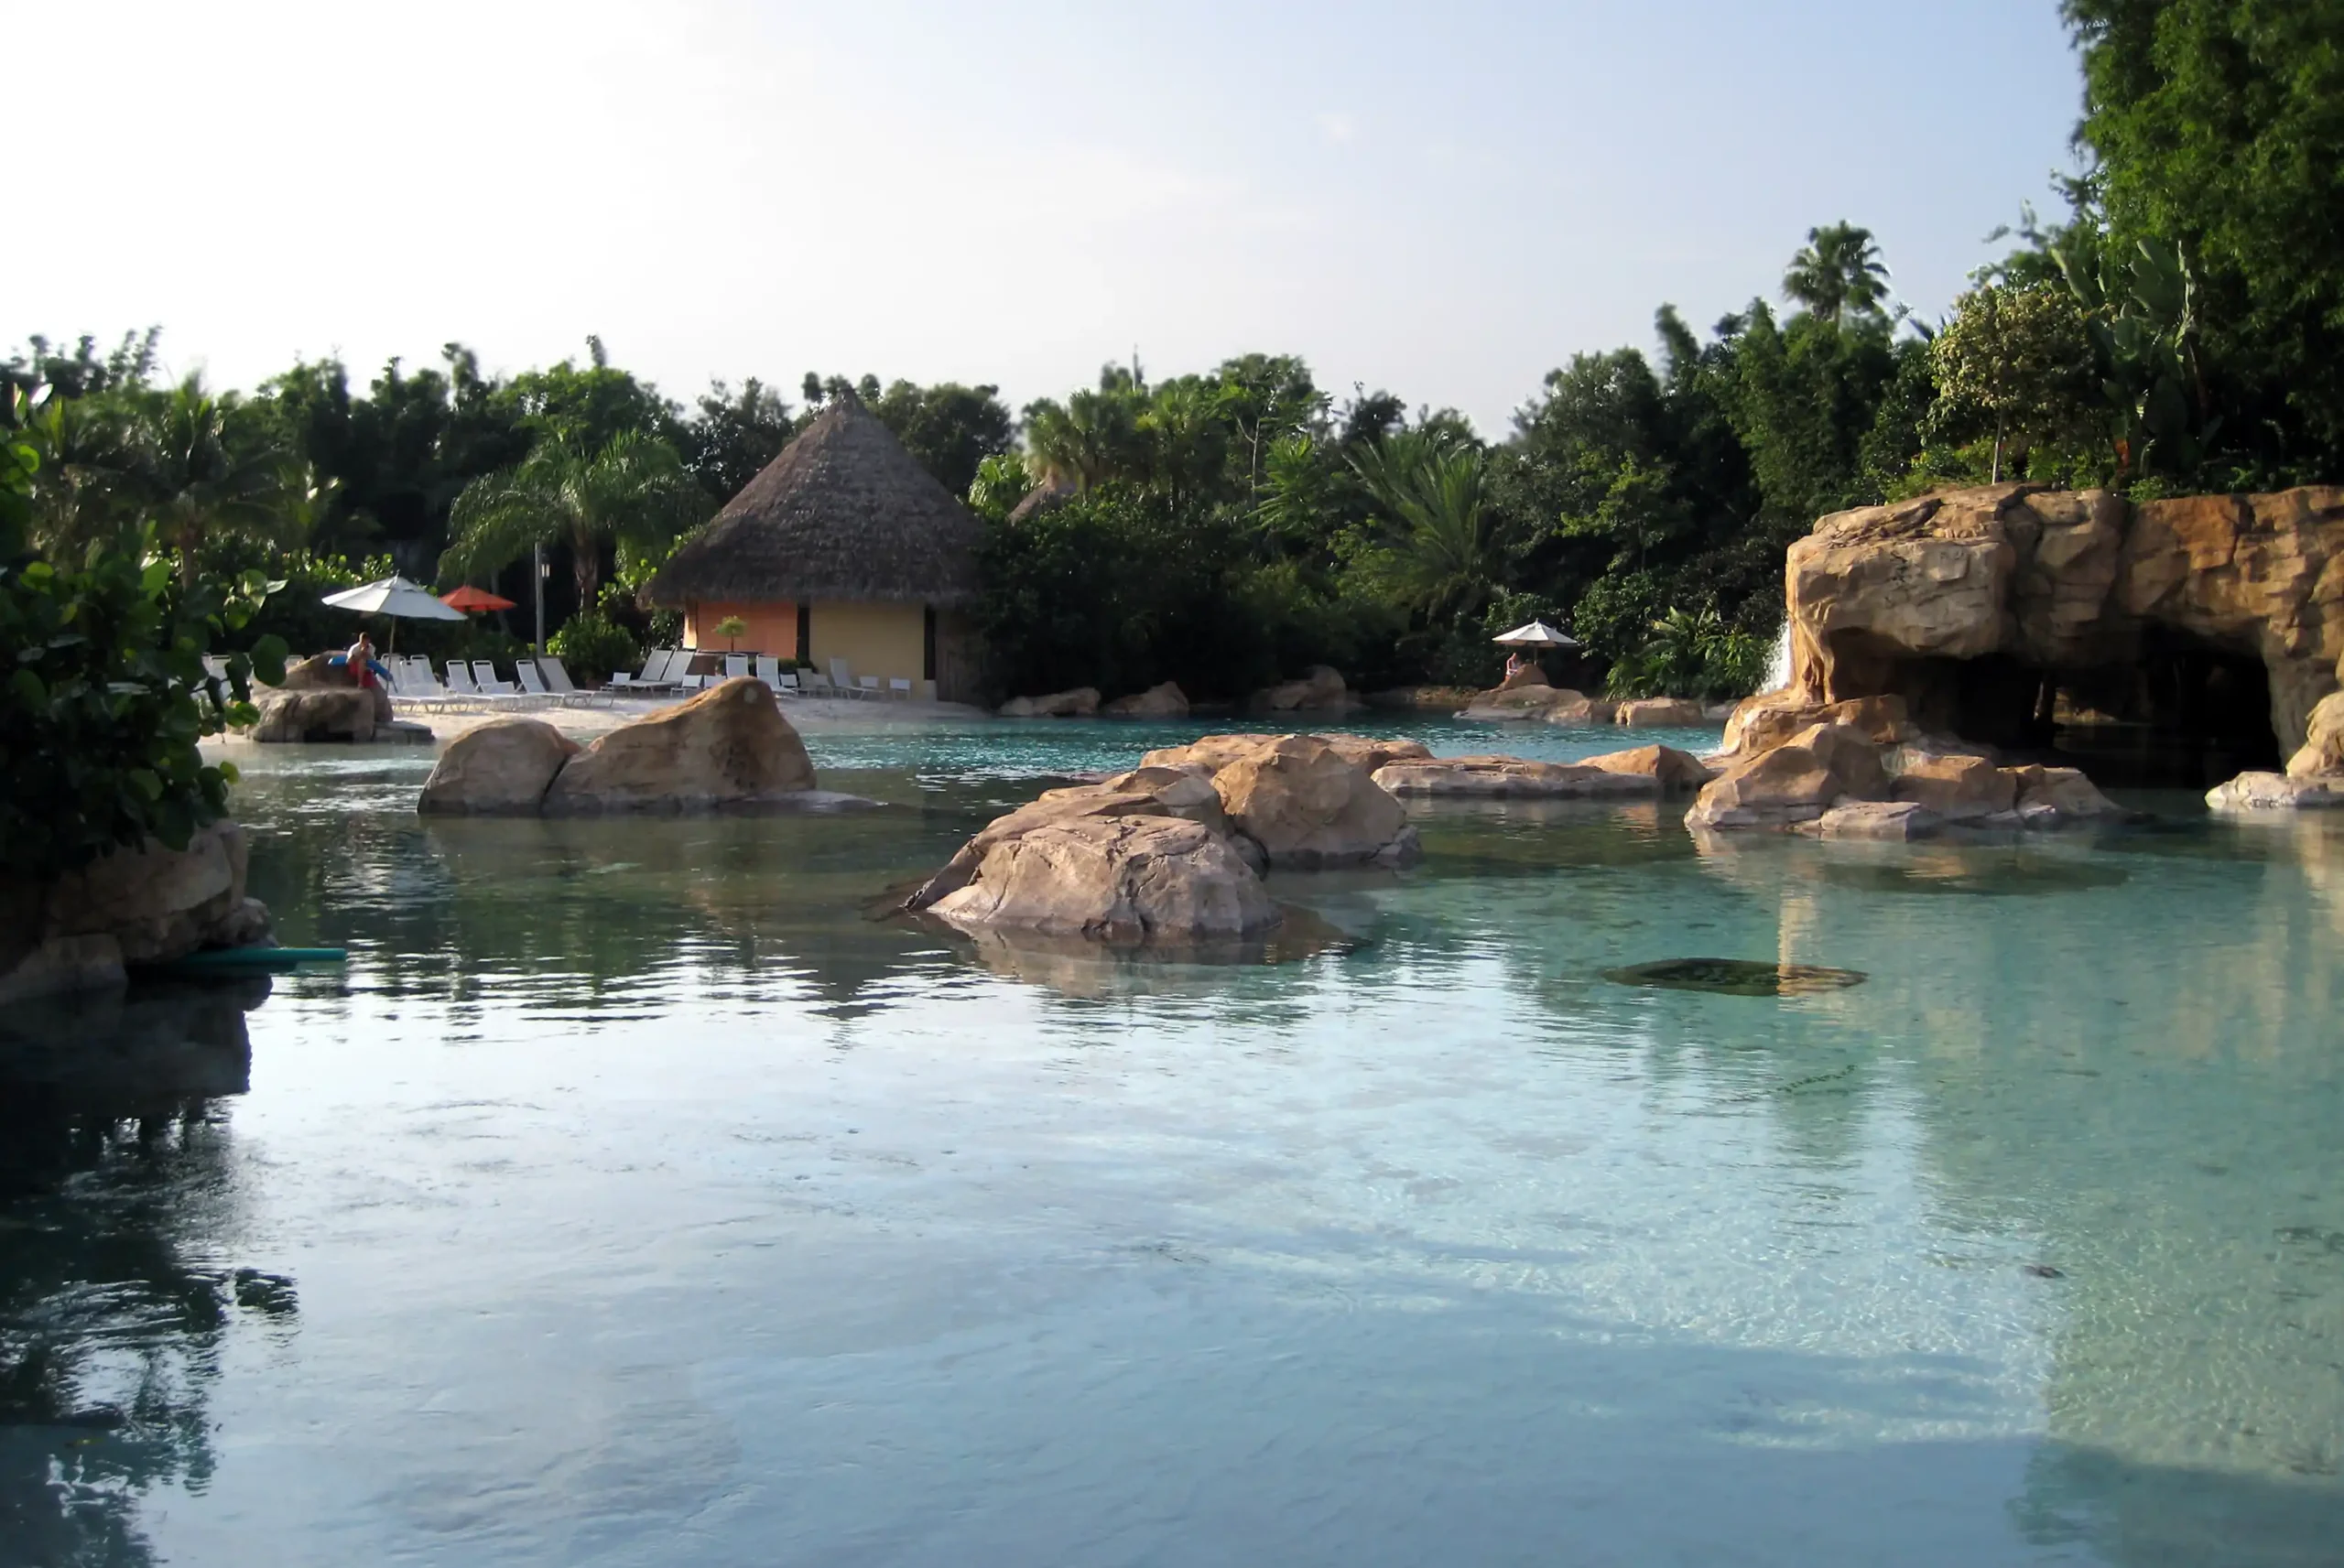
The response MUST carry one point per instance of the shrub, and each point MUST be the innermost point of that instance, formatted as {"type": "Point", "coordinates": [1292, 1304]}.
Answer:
{"type": "Point", "coordinates": [106, 694]}
{"type": "Point", "coordinates": [591, 648]}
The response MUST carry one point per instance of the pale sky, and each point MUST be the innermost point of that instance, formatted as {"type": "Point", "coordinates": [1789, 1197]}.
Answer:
{"type": "Point", "coordinates": [1445, 200]}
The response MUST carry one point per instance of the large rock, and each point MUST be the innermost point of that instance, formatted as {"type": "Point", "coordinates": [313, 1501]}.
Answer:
{"type": "Point", "coordinates": [501, 769]}
{"type": "Point", "coordinates": [2322, 752]}
{"type": "Point", "coordinates": [1762, 722]}
{"type": "Point", "coordinates": [1164, 701]}
{"type": "Point", "coordinates": [1320, 691]}
{"type": "Point", "coordinates": [1533, 701]}
{"type": "Point", "coordinates": [2277, 792]}
{"type": "Point", "coordinates": [1211, 753]}
{"type": "Point", "coordinates": [1896, 820]}
{"type": "Point", "coordinates": [1080, 703]}
{"type": "Point", "coordinates": [338, 713]}
{"type": "Point", "coordinates": [1144, 792]}
{"type": "Point", "coordinates": [2053, 797]}
{"type": "Point", "coordinates": [1666, 766]}
{"type": "Point", "coordinates": [1512, 778]}
{"type": "Point", "coordinates": [1307, 805]}
{"type": "Point", "coordinates": [1953, 785]}
{"type": "Point", "coordinates": [1117, 878]}
{"type": "Point", "coordinates": [727, 749]}
{"type": "Point", "coordinates": [1796, 782]}
{"type": "Point", "coordinates": [1659, 713]}
{"type": "Point", "coordinates": [146, 905]}
{"type": "Point", "coordinates": [1959, 601]}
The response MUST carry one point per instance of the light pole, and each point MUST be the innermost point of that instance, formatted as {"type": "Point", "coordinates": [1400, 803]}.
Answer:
{"type": "Point", "coordinates": [537, 583]}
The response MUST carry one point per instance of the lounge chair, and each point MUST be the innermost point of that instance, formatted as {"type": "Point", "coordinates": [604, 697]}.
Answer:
{"type": "Point", "coordinates": [412, 680]}
{"type": "Point", "coordinates": [897, 687]}
{"type": "Point", "coordinates": [842, 677]}
{"type": "Point", "coordinates": [681, 676]}
{"type": "Point", "coordinates": [459, 679]}
{"type": "Point", "coordinates": [816, 684]}
{"type": "Point", "coordinates": [486, 681]}
{"type": "Point", "coordinates": [866, 686]}
{"type": "Point", "coordinates": [653, 675]}
{"type": "Point", "coordinates": [735, 666]}
{"type": "Point", "coordinates": [557, 681]}
{"type": "Point", "coordinates": [534, 684]}
{"type": "Point", "coordinates": [785, 683]}
{"type": "Point", "coordinates": [768, 668]}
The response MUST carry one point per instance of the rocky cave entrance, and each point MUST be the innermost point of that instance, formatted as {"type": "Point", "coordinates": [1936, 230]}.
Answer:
{"type": "Point", "coordinates": [2181, 713]}
{"type": "Point", "coordinates": [2185, 714]}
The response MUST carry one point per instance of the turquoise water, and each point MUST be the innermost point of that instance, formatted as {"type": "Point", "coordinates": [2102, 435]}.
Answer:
{"type": "Point", "coordinates": [637, 1196]}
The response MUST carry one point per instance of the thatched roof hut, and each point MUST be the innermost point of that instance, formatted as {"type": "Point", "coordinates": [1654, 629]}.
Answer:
{"type": "Point", "coordinates": [844, 514]}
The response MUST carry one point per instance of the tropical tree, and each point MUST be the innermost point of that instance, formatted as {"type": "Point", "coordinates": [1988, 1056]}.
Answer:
{"type": "Point", "coordinates": [632, 491]}
{"type": "Point", "coordinates": [205, 470]}
{"type": "Point", "coordinates": [1439, 551]}
{"type": "Point", "coordinates": [2017, 361]}
{"type": "Point", "coordinates": [1838, 275]}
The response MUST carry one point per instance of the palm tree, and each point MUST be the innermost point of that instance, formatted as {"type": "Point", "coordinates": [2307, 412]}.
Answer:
{"type": "Point", "coordinates": [1090, 439]}
{"type": "Point", "coordinates": [634, 490]}
{"type": "Point", "coordinates": [1838, 275]}
{"type": "Point", "coordinates": [1444, 549]}
{"type": "Point", "coordinates": [203, 470]}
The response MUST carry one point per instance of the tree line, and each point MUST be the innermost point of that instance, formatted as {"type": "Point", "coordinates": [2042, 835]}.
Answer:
{"type": "Point", "coordinates": [2179, 326]}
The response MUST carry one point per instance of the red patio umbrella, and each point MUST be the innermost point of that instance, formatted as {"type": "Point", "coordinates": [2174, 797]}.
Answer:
{"type": "Point", "coordinates": [469, 600]}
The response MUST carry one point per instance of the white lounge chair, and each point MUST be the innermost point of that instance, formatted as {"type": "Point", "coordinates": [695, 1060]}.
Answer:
{"type": "Point", "coordinates": [898, 686]}
{"type": "Point", "coordinates": [766, 668]}
{"type": "Point", "coordinates": [412, 680]}
{"type": "Point", "coordinates": [488, 683]}
{"type": "Point", "coordinates": [785, 683]}
{"type": "Point", "coordinates": [735, 666]}
{"type": "Point", "coordinates": [681, 676]}
{"type": "Point", "coordinates": [557, 681]}
{"type": "Point", "coordinates": [816, 684]}
{"type": "Point", "coordinates": [866, 686]}
{"type": "Point", "coordinates": [842, 677]}
{"type": "Point", "coordinates": [526, 672]}
{"type": "Point", "coordinates": [459, 679]}
{"type": "Point", "coordinates": [653, 676]}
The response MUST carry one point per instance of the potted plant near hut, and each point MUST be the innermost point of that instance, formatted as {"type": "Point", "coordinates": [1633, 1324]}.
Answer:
{"type": "Point", "coordinates": [732, 629]}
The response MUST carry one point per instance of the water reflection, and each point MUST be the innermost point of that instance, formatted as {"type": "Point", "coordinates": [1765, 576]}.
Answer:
{"type": "Point", "coordinates": [117, 1281]}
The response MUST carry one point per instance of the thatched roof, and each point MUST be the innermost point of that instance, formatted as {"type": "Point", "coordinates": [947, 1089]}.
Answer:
{"type": "Point", "coordinates": [843, 513]}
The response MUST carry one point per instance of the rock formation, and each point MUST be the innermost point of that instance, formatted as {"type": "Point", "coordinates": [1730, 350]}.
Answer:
{"type": "Point", "coordinates": [501, 769]}
{"type": "Point", "coordinates": [1319, 691]}
{"type": "Point", "coordinates": [319, 700]}
{"type": "Point", "coordinates": [146, 905]}
{"type": "Point", "coordinates": [1660, 713]}
{"type": "Point", "coordinates": [1867, 751]}
{"type": "Point", "coordinates": [1080, 703]}
{"type": "Point", "coordinates": [729, 749]}
{"type": "Point", "coordinates": [1644, 774]}
{"type": "Point", "coordinates": [1537, 700]}
{"type": "Point", "coordinates": [1126, 859]}
{"type": "Point", "coordinates": [2314, 777]}
{"type": "Point", "coordinates": [1164, 702]}
{"type": "Point", "coordinates": [1117, 878]}
{"type": "Point", "coordinates": [1983, 609]}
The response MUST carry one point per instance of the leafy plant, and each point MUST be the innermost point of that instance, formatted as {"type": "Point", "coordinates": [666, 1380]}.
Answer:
{"type": "Point", "coordinates": [593, 648]}
{"type": "Point", "coordinates": [1692, 653]}
{"type": "Point", "coordinates": [103, 694]}
{"type": "Point", "coordinates": [732, 629]}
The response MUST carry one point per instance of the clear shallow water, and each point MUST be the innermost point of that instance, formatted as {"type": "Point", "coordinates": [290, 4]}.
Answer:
{"type": "Point", "coordinates": [632, 1198]}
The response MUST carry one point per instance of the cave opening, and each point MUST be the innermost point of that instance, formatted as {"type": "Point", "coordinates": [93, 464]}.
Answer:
{"type": "Point", "coordinates": [2185, 713]}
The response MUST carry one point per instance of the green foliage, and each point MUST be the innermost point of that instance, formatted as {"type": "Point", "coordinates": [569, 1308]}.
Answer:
{"type": "Point", "coordinates": [2015, 363]}
{"type": "Point", "coordinates": [1838, 275]}
{"type": "Point", "coordinates": [1001, 483]}
{"type": "Point", "coordinates": [591, 648]}
{"type": "Point", "coordinates": [1691, 654]}
{"type": "Point", "coordinates": [105, 694]}
{"type": "Point", "coordinates": [2218, 125]}
{"type": "Point", "coordinates": [633, 490]}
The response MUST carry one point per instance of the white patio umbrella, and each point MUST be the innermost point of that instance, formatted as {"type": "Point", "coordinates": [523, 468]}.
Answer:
{"type": "Point", "coordinates": [1536, 634]}
{"type": "Point", "coordinates": [395, 597]}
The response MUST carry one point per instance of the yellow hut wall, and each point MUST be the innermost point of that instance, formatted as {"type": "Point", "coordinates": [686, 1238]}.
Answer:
{"type": "Point", "coordinates": [772, 627]}
{"type": "Point", "coordinates": [883, 640]}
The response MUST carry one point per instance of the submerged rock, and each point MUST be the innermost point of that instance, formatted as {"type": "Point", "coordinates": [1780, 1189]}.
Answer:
{"type": "Point", "coordinates": [1115, 879]}
{"type": "Point", "coordinates": [727, 749]}
{"type": "Point", "coordinates": [1504, 778]}
{"type": "Point", "coordinates": [2277, 792]}
{"type": "Point", "coordinates": [1892, 819]}
{"type": "Point", "coordinates": [501, 769]}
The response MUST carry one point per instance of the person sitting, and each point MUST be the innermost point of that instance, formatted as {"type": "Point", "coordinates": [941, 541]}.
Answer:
{"type": "Point", "coordinates": [364, 668]}
{"type": "Point", "coordinates": [1521, 671]}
